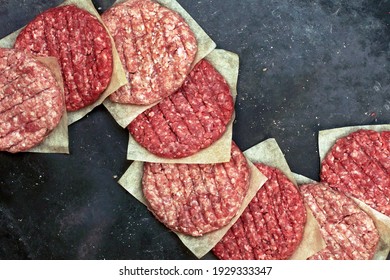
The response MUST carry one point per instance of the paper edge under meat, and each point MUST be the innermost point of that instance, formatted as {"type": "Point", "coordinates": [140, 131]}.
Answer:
{"type": "Point", "coordinates": [118, 77]}
{"type": "Point", "coordinates": [57, 141]}
{"type": "Point", "coordinates": [125, 113]}
{"type": "Point", "coordinates": [227, 64]}
{"type": "Point", "coordinates": [131, 181]}
{"type": "Point", "coordinates": [269, 153]}
{"type": "Point", "coordinates": [326, 139]}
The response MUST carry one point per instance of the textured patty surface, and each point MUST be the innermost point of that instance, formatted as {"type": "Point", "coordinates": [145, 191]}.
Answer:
{"type": "Point", "coordinates": [31, 101]}
{"type": "Point", "coordinates": [156, 47]}
{"type": "Point", "coordinates": [189, 120]}
{"type": "Point", "coordinates": [271, 227]}
{"type": "Point", "coordinates": [195, 199]}
{"type": "Point", "coordinates": [359, 165]}
{"type": "Point", "coordinates": [349, 233]}
{"type": "Point", "coordinates": [82, 46]}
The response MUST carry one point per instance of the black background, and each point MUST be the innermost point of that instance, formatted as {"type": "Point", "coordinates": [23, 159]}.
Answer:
{"type": "Point", "coordinates": [304, 66]}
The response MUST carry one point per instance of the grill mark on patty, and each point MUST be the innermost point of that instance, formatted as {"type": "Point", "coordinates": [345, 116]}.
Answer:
{"type": "Point", "coordinates": [160, 78]}
{"type": "Point", "coordinates": [362, 142]}
{"type": "Point", "coordinates": [155, 128]}
{"type": "Point", "coordinates": [368, 151]}
{"type": "Point", "coordinates": [11, 87]}
{"type": "Point", "coordinates": [363, 171]}
{"type": "Point", "coordinates": [183, 119]}
{"type": "Point", "coordinates": [335, 247]}
{"type": "Point", "coordinates": [335, 212]}
{"type": "Point", "coordinates": [59, 32]}
{"type": "Point", "coordinates": [207, 199]}
{"type": "Point", "coordinates": [187, 217]}
{"type": "Point", "coordinates": [177, 102]}
{"type": "Point", "coordinates": [344, 241]}
{"type": "Point", "coordinates": [198, 82]}
{"type": "Point", "coordinates": [264, 230]}
{"type": "Point", "coordinates": [17, 105]}
{"type": "Point", "coordinates": [347, 187]}
{"type": "Point", "coordinates": [210, 81]}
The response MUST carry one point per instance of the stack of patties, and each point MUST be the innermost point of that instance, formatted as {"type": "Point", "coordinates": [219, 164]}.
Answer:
{"type": "Point", "coordinates": [351, 202]}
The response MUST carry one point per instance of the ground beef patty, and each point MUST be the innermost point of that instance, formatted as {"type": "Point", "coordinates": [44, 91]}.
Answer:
{"type": "Point", "coordinates": [82, 46]}
{"type": "Point", "coordinates": [359, 165]}
{"type": "Point", "coordinates": [189, 120]}
{"type": "Point", "coordinates": [349, 233]}
{"type": "Point", "coordinates": [31, 101]}
{"type": "Point", "coordinates": [195, 199]}
{"type": "Point", "coordinates": [271, 227]}
{"type": "Point", "coordinates": [156, 47]}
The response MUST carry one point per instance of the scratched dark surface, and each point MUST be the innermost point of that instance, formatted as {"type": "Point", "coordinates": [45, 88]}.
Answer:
{"type": "Point", "coordinates": [304, 66]}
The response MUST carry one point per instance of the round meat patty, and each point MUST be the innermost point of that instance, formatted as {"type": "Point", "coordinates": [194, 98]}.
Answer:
{"type": "Point", "coordinates": [349, 233]}
{"type": "Point", "coordinates": [156, 47]}
{"type": "Point", "coordinates": [82, 46]}
{"type": "Point", "coordinates": [359, 165]}
{"type": "Point", "coordinates": [191, 119]}
{"type": "Point", "coordinates": [271, 227]}
{"type": "Point", "coordinates": [195, 199]}
{"type": "Point", "coordinates": [31, 101]}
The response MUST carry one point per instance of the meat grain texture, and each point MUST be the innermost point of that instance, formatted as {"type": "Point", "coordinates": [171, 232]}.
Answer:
{"type": "Point", "coordinates": [191, 119]}
{"type": "Point", "coordinates": [359, 165]}
{"type": "Point", "coordinates": [82, 46]}
{"type": "Point", "coordinates": [31, 101]}
{"type": "Point", "coordinates": [272, 225]}
{"type": "Point", "coordinates": [195, 199]}
{"type": "Point", "coordinates": [349, 233]}
{"type": "Point", "coordinates": [156, 47]}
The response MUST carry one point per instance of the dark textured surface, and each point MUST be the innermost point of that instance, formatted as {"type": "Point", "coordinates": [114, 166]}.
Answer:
{"type": "Point", "coordinates": [304, 66]}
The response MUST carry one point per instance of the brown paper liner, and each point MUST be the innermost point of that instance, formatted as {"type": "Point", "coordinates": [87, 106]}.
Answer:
{"type": "Point", "coordinates": [118, 77]}
{"type": "Point", "coordinates": [227, 64]}
{"type": "Point", "coordinates": [199, 246]}
{"type": "Point", "coordinates": [269, 153]}
{"type": "Point", "coordinates": [326, 140]}
{"type": "Point", "coordinates": [125, 113]}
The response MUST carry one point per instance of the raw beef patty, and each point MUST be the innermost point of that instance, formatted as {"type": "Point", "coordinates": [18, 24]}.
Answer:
{"type": "Point", "coordinates": [31, 101]}
{"type": "Point", "coordinates": [156, 47]}
{"type": "Point", "coordinates": [195, 199]}
{"type": "Point", "coordinates": [271, 227]}
{"type": "Point", "coordinates": [82, 46]}
{"type": "Point", "coordinates": [349, 233]}
{"type": "Point", "coordinates": [359, 165]}
{"type": "Point", "coordinates": [191, 119]}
